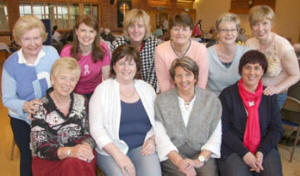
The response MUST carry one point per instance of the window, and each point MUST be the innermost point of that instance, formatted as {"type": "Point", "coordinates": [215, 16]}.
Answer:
{"type": "Point", "coordinates": [41, 11]}
{"type": "Point", "coordinates": [63, 15]}
{"type": "Point", "coordinates": [91, 10]}
{"type": "Point", "coordinates": [3, 17]}
{"type": "Point", "coordinates": [74, 13]}
{"type": "Point", "coordinates": [25, 9]}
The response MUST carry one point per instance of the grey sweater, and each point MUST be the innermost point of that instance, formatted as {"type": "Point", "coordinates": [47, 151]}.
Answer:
{"type": "Point", "coordinates": [202, 123]}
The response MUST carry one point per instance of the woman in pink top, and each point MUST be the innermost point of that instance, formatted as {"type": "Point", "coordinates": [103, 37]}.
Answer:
{"type": "Point", "coordinates": [283, 70]}
{"type": "Point", "coordinates": [180, 45]}
{"type": "Point", "coordinates": [92, 55]}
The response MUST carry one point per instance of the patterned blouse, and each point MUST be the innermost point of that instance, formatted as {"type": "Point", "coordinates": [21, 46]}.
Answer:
{"type": "Point", "coordinates": [51, 129]}
{"type": "Point", "coordinates": [147, 57]}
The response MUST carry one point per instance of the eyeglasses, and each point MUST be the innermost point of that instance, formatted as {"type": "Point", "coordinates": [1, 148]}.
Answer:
{"type": "Point", "coordinates": [227, 30]}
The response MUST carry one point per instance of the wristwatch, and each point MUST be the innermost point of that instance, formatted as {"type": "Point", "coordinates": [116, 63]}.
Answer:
{"type": "Point", "coordinates": [201, 158]}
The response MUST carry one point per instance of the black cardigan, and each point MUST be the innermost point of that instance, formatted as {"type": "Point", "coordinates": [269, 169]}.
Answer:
{"type": "Point", "coordinates": [234, 118]}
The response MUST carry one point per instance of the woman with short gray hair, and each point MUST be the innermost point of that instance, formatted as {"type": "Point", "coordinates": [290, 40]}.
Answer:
{"type": "Point", "coordinates": [188, 126]}
{"type": "Point", "coordinates": [224, 57]}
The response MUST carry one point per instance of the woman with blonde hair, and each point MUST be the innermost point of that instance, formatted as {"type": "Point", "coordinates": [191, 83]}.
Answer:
{"type": "Point", "coordinates": [60, 139]}
{"type": "Point", "coordinates": [137, 32]}
{"type": "Point", "coordinates": [25, 79]}
{"type": "Point", "coordinates": [224, 57]}
{"type": "Point", "coordinates": [91, 53]}
{"type": "Point", "coordinates": [283, 70]}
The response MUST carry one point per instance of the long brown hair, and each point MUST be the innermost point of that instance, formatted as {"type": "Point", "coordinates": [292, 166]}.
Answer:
{"type": "Point", "coordinates": [98, 52]}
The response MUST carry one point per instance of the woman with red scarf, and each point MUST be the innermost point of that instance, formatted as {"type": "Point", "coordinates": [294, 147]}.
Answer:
{"type": "Point", "coordinates": [251, 123]}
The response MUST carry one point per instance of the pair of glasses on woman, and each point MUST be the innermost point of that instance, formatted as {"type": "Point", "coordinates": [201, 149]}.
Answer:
{"type": "Point", "coordinates": [227, 30]}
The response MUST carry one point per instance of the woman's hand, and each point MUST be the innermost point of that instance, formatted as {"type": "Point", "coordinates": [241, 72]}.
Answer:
{"type": "Point", "coordinates": [148, 146]}
{"type": "Point", "coordinates": [125, 164]}
{"type": "Point", "coordinates": [250, 160]}
{"type": "Point", "coordinates": [186, 167]}
{"type": "Point", "coordinates": [32, 106]}
{"type": "Point", "coordinates": [83, 152]}
{"type": "Point", "coordinates": [271, 90]}
{"type": "Point", "coordinates": [197, 163]}
{"type": "Point", "coordinates": [259, 160]}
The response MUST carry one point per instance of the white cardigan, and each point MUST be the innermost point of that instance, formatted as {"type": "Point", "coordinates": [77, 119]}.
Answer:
{"type": "Point", "coordinates": [105, 112]}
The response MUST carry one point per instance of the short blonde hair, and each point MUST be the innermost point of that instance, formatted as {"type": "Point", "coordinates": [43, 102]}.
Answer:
{"type": "Point", "coordinates": [65, 63]}
{"type": "Point", "coordinates": [228, 17]}
{"type": "Point", "coordinates": [260, 12]}
{"type": "Point", "coordinates": [133, 16]}
{"type": "Point", "coordinates": [26, 23]}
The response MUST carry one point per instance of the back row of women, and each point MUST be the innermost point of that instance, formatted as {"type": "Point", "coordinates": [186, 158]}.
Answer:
{"type": "Point", "coordinates": [179, 132]}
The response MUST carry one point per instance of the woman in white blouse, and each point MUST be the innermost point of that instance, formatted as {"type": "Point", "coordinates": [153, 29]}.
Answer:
{"type": "Point", "coordinates": [122, 119]}
{"type": "Point", "coordinates": [188, 124]}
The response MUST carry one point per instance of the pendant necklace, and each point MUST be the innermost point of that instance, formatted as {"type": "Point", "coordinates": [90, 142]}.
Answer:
{"type": "Point", "coordinates": [186, 50]}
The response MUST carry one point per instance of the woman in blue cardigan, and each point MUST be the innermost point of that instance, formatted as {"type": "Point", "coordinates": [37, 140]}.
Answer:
{"type": "Point", "coordinates": [251, 123]}
{"type": "Point", "coordinates": [25, 79]}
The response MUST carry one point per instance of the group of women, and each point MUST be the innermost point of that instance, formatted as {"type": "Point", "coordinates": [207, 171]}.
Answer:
{"type": "Point", "coordinates": [89, 107]}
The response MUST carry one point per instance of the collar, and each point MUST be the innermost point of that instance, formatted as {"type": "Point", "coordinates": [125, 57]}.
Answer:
{"type": "Point", "coordinates": [22, 59]}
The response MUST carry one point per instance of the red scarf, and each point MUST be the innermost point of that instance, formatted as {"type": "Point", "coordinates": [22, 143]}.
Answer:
{"type": "Point", "coordinates": [251, 103]}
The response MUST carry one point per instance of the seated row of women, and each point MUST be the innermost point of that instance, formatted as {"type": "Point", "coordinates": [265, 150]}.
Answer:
{"type": "Point", "coordinates": [26, 78]}
{"type": "Point", "coordinates": [137, 133]}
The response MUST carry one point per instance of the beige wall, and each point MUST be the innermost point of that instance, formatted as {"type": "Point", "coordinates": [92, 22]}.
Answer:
{"type": "Point", "coordinates": [287, 19]}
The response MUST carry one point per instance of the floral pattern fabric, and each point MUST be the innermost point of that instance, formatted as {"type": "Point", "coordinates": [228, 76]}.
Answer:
{"type": "Point", "coordinates": [51, 129]}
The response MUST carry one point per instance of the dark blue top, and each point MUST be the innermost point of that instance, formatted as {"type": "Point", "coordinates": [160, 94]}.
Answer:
{"type": "Point", "coordinates": [234, 121]}
{"type": "Point", "coordinates": [134, 124]}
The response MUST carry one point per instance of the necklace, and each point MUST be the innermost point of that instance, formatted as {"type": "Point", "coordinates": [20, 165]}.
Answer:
{"type": "Point", "coordinates": [63, 107]}
{"type": "Point", "coordinates": [186, 105]}
{"type": "Point", "coordinates": [225, 57]}
{"type": "Point", "coordinates": [177, 53]}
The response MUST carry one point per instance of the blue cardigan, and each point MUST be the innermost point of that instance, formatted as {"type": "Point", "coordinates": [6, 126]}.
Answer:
{"type": "Point", "coordinates": [21, 82]}
{"type": "Point", "coordinates": [234, 119]}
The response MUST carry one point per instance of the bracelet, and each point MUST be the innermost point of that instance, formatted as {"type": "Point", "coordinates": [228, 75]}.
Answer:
{"type": "Point", "coordinates": [68, 153]}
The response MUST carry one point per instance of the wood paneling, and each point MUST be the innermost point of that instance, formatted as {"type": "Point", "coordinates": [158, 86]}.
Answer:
{"type": "Point", "coordinates": [243, 6]}
{"type": "Point", "coordinates": [64, 1]}
{"type": "Point", "coordinates": [13, 12]}
{"type": "Point", "coordinates": [159, 3]}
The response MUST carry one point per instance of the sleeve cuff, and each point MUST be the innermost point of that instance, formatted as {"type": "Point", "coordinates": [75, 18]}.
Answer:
{"type": "Point", "coordinates": [213, 149]}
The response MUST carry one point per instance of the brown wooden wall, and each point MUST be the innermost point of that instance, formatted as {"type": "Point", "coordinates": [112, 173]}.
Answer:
{"type": "Point", "coordinates": [108, 12]}
{"type": "Point", "coordinates": [243, 6]}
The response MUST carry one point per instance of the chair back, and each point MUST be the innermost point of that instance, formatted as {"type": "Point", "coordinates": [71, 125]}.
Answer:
{"type": "Point", "coordinates": [291, 111]}
{"type": "Point", "coordinates": [292, 104]}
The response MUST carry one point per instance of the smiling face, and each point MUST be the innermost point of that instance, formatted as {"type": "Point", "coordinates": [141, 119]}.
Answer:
{"type": "Point", "coordinates": [86, 35]}
{"type": "Point", "coordinates": [184, 80]}
{"type": "Point", "coordinates": [137, 31]}
{"type": "Point", "coordinates": [227, 32]}
{"type": "Point", "coordinates": [251, 75]}
{"type": "Point", "coordinates": [125, 69]}
{"type": "Point", "coordinates": [180, 35]}
{"type": "Point", "coordinates": [262, 29]}
{"type": "Point", "coordinates": [31, 42]}
{"type": "Point", "coordinates": [64, 82]}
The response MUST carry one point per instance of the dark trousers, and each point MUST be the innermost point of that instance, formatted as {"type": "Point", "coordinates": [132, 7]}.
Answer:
{"type": "Point", "coordinates": [21, 131]}
{"type": "Point", "coordinates": [234, 165]}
